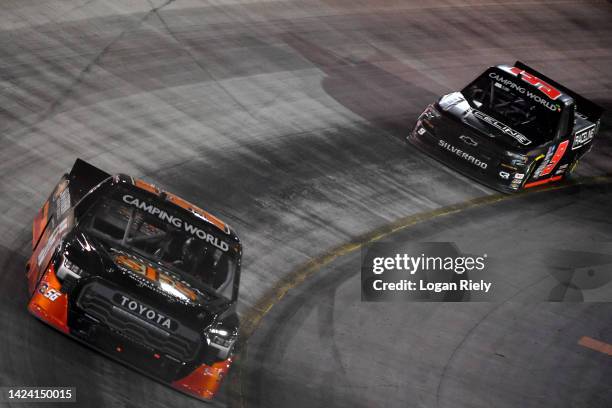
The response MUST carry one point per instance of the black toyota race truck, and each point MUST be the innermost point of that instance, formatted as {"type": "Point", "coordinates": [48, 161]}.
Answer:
{"type": "Point", "coordinates": [511, 128]}
{"type": "Point", "coordinates": [139, 274]}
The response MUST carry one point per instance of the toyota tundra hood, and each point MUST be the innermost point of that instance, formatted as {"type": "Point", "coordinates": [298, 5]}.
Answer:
{"type": "Point", "coordinates": [143, 287]}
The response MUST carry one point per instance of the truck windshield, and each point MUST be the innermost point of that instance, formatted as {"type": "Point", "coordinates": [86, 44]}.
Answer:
{"type": "Point", "coordinates": [175, 241]}
{"type": "Point", "coordinates": [515, 104]}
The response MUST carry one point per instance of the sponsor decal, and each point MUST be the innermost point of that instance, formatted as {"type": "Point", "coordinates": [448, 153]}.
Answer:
{"type": "Point", "coordinates": [583, 137]}
{"type": "Point", "coordinates": [176, 221]}
{"type": "Point", "coordinates": [143, 311]}
{"type": "Point", "coordinates": [164, 281]}
{"type": "Point", "coordinates": [544, 163]}
{"type": "Point", "coordinates": [524, 91]}
{"type": "Point", "coordinates": [132, 264]}
{"type": "Point", "coordinates": [421, 131]}
{"type": "Point", "coordinates": [506, 84]}
{"type": "Point", "coordinates": [519, 176]}
{"type": "Point", "coordinates": [504, 174]}
{"type": "Point", "coordinates": [544, 87]}
{"type": "Point", "coordinates": [556, 158]}
{"type": "Point", "coordinates": [61, 196]}
{"type": "Point", "coordinates": [468, 140]}
{"type": "Point", "coordinates": [460, 153]}
{"type": "Point", "coordinates": [52, 241]}
{"type": "Point", "coordinates": [504, 128]}
{"type": "Point", "coordinates": [63, 202]}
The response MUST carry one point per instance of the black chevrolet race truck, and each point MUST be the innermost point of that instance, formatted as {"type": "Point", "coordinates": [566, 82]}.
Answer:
{"type": "Point", "coordinates": [511, 128]}
{"type": "Point", "coordinates": [139, 274]}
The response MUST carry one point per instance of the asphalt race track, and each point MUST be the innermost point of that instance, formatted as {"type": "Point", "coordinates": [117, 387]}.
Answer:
{"type": "Point", "coordinates": [322, 346]}
{"type": "Point", "coordinates": [287, 120]}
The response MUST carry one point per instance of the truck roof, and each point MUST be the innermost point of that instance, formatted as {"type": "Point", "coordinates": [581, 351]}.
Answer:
{"type": "Point", "coordinates": [529, 79]}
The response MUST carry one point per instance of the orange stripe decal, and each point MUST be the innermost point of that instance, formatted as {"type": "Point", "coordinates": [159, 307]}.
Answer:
{"type": "Point", "coordinates": [183, 204]}
{"type": "Point", "coordinates": [146, 186]}
{"type": "Point", "coordinates": [596, 345]}
{"type": "Point", "coordinates": [151, 273]}
{"type": "Point", "coordinates": [540, 182]}
{"type": "Point", "coordinates": [190, 207]}
{"type": "Point", "coordinates": [205, 380]}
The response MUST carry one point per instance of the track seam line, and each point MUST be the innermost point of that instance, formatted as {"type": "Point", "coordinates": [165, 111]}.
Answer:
{"type": "Point", "coordinates": [65, 94]}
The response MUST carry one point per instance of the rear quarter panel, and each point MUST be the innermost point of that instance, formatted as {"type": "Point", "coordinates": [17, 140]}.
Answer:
{"type": "Point", "coordinates": [53, 221]}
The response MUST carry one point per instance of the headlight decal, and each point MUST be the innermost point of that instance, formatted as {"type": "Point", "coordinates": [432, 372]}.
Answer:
{"type": "Point", "coordinates": [67, 268]}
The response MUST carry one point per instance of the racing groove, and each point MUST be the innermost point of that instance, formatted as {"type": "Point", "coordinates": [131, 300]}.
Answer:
{"type": "Point", "coordinates": [284, 118]}
{"type": "Point", "coordinates": [516, 350]}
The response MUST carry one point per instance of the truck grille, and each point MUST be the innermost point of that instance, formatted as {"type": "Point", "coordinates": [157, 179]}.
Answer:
{"type": "Point", "coordinates": [97, 301]}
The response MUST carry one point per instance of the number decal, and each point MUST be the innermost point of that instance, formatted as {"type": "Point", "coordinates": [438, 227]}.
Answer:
{"type": "Point", "coordinates": [48, 292]}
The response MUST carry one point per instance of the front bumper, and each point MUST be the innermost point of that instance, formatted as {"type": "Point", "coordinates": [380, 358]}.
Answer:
{"type": "Point", "coordinates": [427, 143]}
{"type": "Point", "coordinates": [50, 305]}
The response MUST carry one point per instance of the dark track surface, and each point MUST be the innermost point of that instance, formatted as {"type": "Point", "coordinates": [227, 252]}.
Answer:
{"type": "Point", "coordinates": [322, 346]}
{"type": "Point", "coordinates": [284, 118]}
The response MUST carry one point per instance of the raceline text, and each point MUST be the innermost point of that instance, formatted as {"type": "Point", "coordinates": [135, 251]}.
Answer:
{"type": "Point", "coordinates": [176, 221]}
{"type": "Point", "coordinates": [513, 85]}
{"type": "Point", "coordinates": [504, 128]}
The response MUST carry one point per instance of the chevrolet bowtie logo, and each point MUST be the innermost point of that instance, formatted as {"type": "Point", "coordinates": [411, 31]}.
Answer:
{"type": "Point", "coordinates": [468, 140]}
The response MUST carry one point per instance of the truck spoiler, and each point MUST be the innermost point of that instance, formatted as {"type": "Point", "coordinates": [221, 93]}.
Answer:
{"type": "Point", "coordinates": [590, 109]}
{"type": "Point", "coordinates": [83, 177]}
